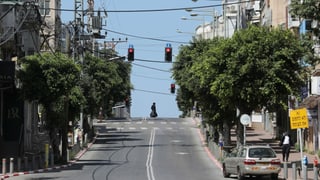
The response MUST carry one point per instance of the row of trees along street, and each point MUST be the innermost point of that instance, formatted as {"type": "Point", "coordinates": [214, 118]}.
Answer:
{"type": "Point", "coordinates": [256, 68]}
{"type": "Point", "coordinates": [62, 87]}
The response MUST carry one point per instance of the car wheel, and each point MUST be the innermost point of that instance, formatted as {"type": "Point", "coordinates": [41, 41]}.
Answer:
{"type": "Point", "coordinates": [239, 175]}
{"type": "Point", "coordinates": [224, 171]}
{"type": "Point", "coordinates": [274, 176]}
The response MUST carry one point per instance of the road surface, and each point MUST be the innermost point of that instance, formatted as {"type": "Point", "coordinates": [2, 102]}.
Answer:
{"type": "Point", "coordinates": [152, 149]}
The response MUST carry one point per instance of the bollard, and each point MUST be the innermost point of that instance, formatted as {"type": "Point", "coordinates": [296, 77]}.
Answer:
{"type": "Point", "coordinates": [11, 165]}
{"type": "Point", "coordinates": [25, 161]}
{"type": "Point", "coordinates": [68, 155]}
{"type": "Point", "coordinates": [315, 168]}
{"type": "Point", "coordinates": [4, 166]}
{"type": "Point", "coordinates": [46, 159]}
{"type": "Point", "coordinates": [19, 164]}
{"type": "Point", "coordinates": [285, 170]}
{"type": "Point", "coordinates": [294, 171]}
{"type": "Point", "coordinates": [305, 167]}
{"type": "Point", "coordinates": [51, 159]}
{"type": "Point", "coordinates": [33, 162]}
{"type": "Point", "coordinates": [305, 172]}
{"type": "Point", "coordinates": [315, 172]}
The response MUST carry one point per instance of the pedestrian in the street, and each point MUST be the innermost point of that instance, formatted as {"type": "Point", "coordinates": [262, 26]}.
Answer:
{"type": "Point", "coordinates": [153, 110]}
{"type": "Point", "coordinates": [286, 143]}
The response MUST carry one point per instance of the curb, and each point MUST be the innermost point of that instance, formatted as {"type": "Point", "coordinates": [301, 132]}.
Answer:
{"type": "Point", "coordinates": [211, 156]}
{"type": "Point", "coordinates": [77, 157]}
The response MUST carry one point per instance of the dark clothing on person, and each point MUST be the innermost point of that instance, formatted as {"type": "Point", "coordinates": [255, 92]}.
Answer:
{"type": "Point", "coordinates": [153, 110]}
{"type": "Point", "coordinates": [286, 143]}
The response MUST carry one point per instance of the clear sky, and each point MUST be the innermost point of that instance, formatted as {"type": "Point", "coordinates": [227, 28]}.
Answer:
{"type": "Point", "coordinates": [151, 80]}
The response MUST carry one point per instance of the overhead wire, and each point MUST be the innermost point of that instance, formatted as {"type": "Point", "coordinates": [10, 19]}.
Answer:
{"type": "Point", "coordinates": [149, 77]}
{"type": "Point", "coordinates": [148, 38]}
{"type": "Point", "coordinates": [148, 67]}
{"type": "Point", "coordinates": [153, 10]}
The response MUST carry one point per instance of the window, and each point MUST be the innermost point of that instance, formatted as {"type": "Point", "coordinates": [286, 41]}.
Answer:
{"type": "Point", "coordinates": [44, 6]}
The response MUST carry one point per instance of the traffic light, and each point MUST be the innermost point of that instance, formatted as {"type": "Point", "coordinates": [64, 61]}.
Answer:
{"type": "Point", "coordinates": [168, 53]}
{"type": "Point", "coordinates": [172, 88]}
{"type": "Point", "coordinates": [130, 53]}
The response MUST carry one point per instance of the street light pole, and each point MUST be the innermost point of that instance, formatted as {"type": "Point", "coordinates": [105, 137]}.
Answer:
{"type": "Point", "coordinates": [203, 23]}
{"type": "Point", "coordinates": [211, 13]}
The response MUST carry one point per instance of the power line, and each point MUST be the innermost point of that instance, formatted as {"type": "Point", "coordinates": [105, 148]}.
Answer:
{"type": "Point", "coordinates": [148, 38]}
{"type": "Point", "coordinates": [149, 77]}
{"type": "Point", "coordinates": [151, 67]}
{"type": "Point", "coordinates": [153, 10]}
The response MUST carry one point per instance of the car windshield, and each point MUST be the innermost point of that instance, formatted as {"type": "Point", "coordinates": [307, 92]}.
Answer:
{"type": "Point", "coordinates": [261, 152]}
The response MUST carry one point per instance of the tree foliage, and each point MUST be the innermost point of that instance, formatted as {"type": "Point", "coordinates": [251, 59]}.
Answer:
{"type": "Point", "coordinates": [308, 9]}
{"type": "Point", "coordinates": [257, 67]}
{"type": "Point", "coordinates": [51, 80]}
{"type": "Point", "coordinates": [104, 83]}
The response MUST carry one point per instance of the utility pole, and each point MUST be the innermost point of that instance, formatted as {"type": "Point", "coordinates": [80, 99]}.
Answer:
{"type": "Point", "coordinates": [78, 42]}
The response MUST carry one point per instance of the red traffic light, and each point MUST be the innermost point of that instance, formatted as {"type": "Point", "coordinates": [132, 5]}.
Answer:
{"type": "Point", "coordinates": [168, 54]}
{"type": "Point", "coordinates": [130, 54]}
{"type": "Point", "coordinates": [172, 88]}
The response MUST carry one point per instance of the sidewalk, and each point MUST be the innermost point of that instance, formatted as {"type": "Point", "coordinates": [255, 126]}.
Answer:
{"type": "Point", "coordinates": [261, 137]}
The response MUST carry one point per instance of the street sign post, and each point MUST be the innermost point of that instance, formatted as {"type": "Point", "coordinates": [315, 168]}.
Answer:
{"type": "Point", "coordinates": [245, 120]}
{"type": "Point", "coordinates": [298, 120]}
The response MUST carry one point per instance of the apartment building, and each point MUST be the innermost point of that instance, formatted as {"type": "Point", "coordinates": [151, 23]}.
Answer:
{"type": "Point", "coordinates": [51, 28]}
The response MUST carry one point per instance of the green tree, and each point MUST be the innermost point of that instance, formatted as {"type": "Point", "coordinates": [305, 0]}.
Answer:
{"type": "Point", "coordinates": [51, 80]}
{"type": "Point", "coordinates": [308, 9]}
{"type": "Point", "coordinates": [260, 68]}
{"type": "Point", "coordinates": [257, 68]}
{"type": "Point", "coordinates": [104, 83]}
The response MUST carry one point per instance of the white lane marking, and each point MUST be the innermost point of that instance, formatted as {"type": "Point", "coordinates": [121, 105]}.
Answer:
{"type": "Point", "coordinates": [139, 122]}
{"type": "Point", "coordinates": [132, 128]}
{"type": "Point", "coordinates": [173, 122]}
{"type": "Point", "coordinates": [143, 128]}
{"type": "Point", "coordinates": [127, 122]}
{"type": "Point", "coordinates": [150, 155]}
{"type": "Point", "coordinates": [150, 122]}
{"type": "Point", "coordinates": [163, 122]}
{"type": "Point", "coordinates": [175, 141]}
{"type": "Point", "coordinates": [182, 153]}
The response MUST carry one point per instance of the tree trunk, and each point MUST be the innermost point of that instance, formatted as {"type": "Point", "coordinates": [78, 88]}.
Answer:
{"type": "Point", "coordinates": [64, 131]}
{"type": "Point", "coordinates": [226, 134]}
{"type": "Point", "coordinates": [239, 131]}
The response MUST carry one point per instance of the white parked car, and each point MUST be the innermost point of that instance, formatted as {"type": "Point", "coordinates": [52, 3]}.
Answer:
{"type": "Point", "coordinates": [252, 161]}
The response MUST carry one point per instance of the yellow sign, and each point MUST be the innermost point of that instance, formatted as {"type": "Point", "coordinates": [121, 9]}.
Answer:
{"type": "Point", "coordinates": [299, 118]}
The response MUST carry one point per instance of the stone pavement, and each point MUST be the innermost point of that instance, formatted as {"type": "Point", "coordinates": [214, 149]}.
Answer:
{"type": "Point", "coordinates": [261, 137]}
